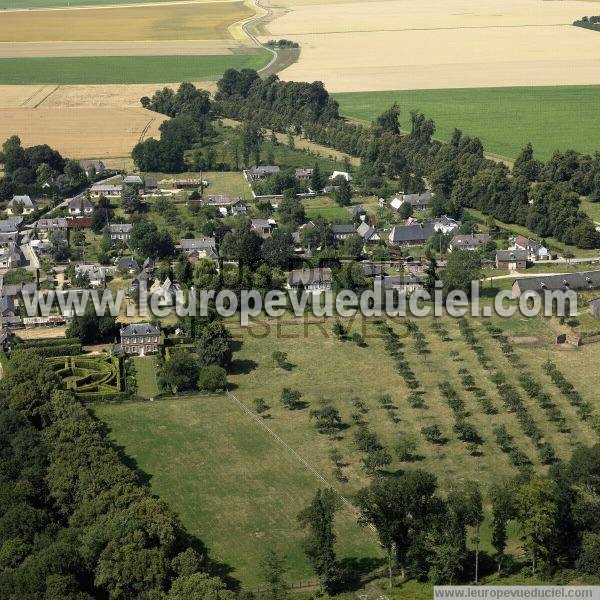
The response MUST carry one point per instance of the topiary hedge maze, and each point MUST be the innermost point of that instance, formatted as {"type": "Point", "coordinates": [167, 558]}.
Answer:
{"type": "Point", "coordinates": [92, 378]}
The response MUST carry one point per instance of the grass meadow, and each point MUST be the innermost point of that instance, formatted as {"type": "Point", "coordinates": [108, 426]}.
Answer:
{"type": "Point", "coordinates": [239, 490]}
{"type": "Point", "coordinates": [505, 119]}
{"type": "Point", "coordinates": [123, 69]}
{"type": "Point", "coordinates": [145, 370]}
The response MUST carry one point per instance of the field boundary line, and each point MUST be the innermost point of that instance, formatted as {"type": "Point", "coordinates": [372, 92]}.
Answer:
{"type": "Point", "coordinates": [295, 454]}
{"type": "Point", "coordinates": [46, 97]}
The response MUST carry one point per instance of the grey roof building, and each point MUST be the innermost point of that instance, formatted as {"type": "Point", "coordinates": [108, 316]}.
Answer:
{"type": "Point", "coordinates": [310, 279]}
{"type": "Point", "coordinates": [411, 235]}
{"type": "Point", "coordinates": [140, 338]}
{"type": "Point", "coordinates": [577, 282]}
{"type": "Point", "coordinates": [470, 241]}
{"type": "Point", "coordinates": [263, 171]}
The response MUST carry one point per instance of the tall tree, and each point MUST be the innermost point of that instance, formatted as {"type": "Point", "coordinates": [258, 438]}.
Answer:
{"type": "Point", "coordinates": [318, 518]}
{"type": "Point", "coordinates": [502, 499]}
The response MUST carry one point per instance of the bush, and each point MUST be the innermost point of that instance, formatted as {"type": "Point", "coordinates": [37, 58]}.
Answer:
{"type": "Point", "coordinates": [589, 557]}
{"type": "Point", "coordinates": [212, 378]}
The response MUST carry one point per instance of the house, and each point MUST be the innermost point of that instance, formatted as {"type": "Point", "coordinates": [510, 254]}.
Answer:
{"type": "Point", "coordinates": [79, 222]}
{"type": "Point", "coordinates": [407, 283]}
{"type": "Point", "coordinates": [511, 259]}
{"type": "Point", "coordinates": [577, 282]}
{"type": "Point", "coordinates": [304, 174]}
{"type": "Point", "coordinates": [446, 224]}
{"type": "Point", "coordinates": [225, 205]}
{"type": "Point", "coordinates": [41, 246]}
{"type": "Point", "coordinates": [135, 180]}
{"type": "Point", "coordinates": [11, 225]}
{"type": "Point", "coordinates": [9, 314]}
{"type": "Point", "coordinates": [26, 204]}
{"type": "Point", "coordinates": [263, 227]}
{"type": "Point", "coordinates": [92, 167]}
{"type": "Point", "coordinates": [411, 235]}
{"type": "Point", "coordinates": [120, 231]}
{"type": "Point", "coordinates": [471, 241]}
{"type": "Point", "coordinates": [297, 235]}
{"type": "Point", "coordinates": [197, 248]}
{"type": "Point", "coordinates": [10, 256]}
{"type": "Point", "coordinates": [419, 201]}
{"type": "Point", "coordinates": [108, 190]}
{"type": "Point", "coordinates": [50, 225]}
{"type": "Point", "coordinates": [310, 280]}
{"type": "Point", "coordinates": [340, 174]}
{"type": "Point", "coordinates": [127, 264]}
{"type": "Point", "coordinates": [80, 205]}
{"type": "Point", "coordinates": [367, 232]}
{"type": "Point", "coordinates": [165, 292]}
{"type": "Point", "coordinates": [342, 232]}
{"type": "Point", "coordinates": [535, 250]}
{"type": "Point", "coordinates": [140, 338]}
{"type": "Point", "coordinates": [151, 186]}
{"type": "Point", "coordinates": [262, 172]}
{"type": "Point", "coordinates": [95, 274]}
{"type": "Point", "coordinates": [328, 189]}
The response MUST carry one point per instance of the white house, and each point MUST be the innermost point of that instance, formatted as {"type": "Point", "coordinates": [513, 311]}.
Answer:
{"type": "Point", "coordinates": [25, 202]}
{"type": "Point", "coordinates": [80, 205]}
{"type": "Point", "coordinates": [120, 231]}
{"type": "Point", "coordinates": [446, 224]}
{"type": "Point", "coordinates": [105, 189]}
{"type": "Point", "coordinates": [341, 174]}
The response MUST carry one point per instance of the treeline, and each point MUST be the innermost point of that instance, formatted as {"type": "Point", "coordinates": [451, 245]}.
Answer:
{"type": "Point", "coordinates": [426, 534]}
{"type": "Point", "coordinates": [542, 197]}
{"type": "Point", "coordinates": [26, 170]}
{"type": "Point", "coordinates": [588, 23]}
{"type": "Point", "coordinates": [190, 124]}
{"type": "Point", "coordinates": [75, 522]}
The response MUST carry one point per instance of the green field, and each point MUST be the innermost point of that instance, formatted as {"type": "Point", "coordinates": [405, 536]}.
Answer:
{"type": "Point", "coordinates": [239, 490]}
{"type": "Point", "coordinates": [145, 371]}
{"type": "Point", "coordinates": [229, 481]}
{"type": "Point", "coordinates": [504, 118]}
{"type": "Point", "coordinates": [123, 69]}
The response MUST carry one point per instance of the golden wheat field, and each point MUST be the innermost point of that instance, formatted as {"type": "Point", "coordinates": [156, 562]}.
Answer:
{"type": "Point", "coordinates": [81, 132]}
{"type": "Point", "coordinates": [185, 21]}
{"type": "Point", "coordinates": [402, 44]}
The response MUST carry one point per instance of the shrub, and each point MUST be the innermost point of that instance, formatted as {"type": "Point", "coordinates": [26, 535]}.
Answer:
{"type": "Point", "coordinates": [406, 447]}
{"type": "Point", "coordinates": [290, 398]}
{"type": "Point", "coordinates": [433, 434]}
{"type": "Point", "coordinates": [212, 378]}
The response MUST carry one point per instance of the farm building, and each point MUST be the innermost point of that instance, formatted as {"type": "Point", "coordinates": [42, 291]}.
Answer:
{"type": "Point", "coordinates": [576, 282]}
{"type": "Point", "coordinates": [105, 189]}
{"type": "Point", "coordinates": [511, 259]}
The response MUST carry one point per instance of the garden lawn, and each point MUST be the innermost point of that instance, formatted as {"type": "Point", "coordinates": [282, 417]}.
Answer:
{"type": "Point", "coordinates": [145, 368]}
{"type": "Point", "coordinates": [504, 118]}
{"type": "Point", "coordinates": [122, 69]}
{"type": "Point", "coordinates": [231, 483]}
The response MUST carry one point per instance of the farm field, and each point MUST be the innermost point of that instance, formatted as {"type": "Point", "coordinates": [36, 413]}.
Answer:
{"type": "Point", "coordinates": [193, 21]}
{"type": "Point", "coordinates": [220, 446]}
{"type": "Point", "coordinates": [122, 69]}
{"type": "Point", "coordinates": [504, 118]}
{"type": "Point", "coordinates": [232, 481]}
{"type": "Point", "coordinates": [28, 4]}
{"type": "Point", "coordinates": [465, 43]}
{"type": "Point", "coordinates": [81, 132]}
